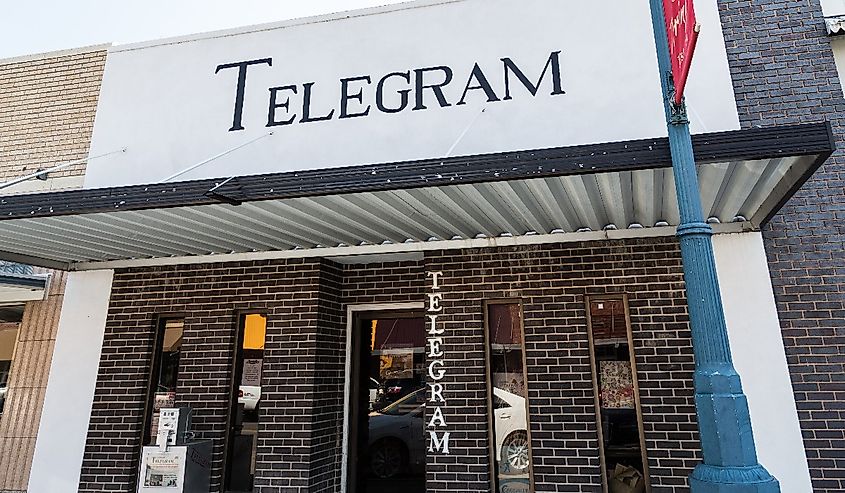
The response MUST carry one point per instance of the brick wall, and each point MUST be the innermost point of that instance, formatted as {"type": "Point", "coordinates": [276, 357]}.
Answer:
{"type": "Point", "coordinates": [302, 399]}
{"type": "Point", "coordinates": [300, 429]}
{"type": "Point", "coordinates": [784, 72]}
{"type": "Point", "coordinates": [47, 107]}
{"type": "Point", "coordinates": [552, 281]}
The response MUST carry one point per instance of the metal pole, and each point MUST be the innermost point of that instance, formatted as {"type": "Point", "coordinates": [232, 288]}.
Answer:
{"type": "Point", "coordinates": [59, 167]}
{"type": "Point", "coordinates": [212, 158]}
{"type": "Point", "coordinates": [730, 458]}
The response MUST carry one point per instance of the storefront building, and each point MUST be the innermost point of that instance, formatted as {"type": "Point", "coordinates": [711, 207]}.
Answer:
{"type": "Point", "coordinates": [373, 259]}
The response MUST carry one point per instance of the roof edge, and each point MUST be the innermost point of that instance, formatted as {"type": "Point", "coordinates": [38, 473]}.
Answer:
{"type": "Point", "coordinates": [55, 54]}
{"type": "Point", "coordinates": [270, 26]}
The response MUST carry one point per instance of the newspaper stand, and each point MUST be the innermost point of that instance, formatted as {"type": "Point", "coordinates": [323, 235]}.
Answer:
{"type": "Point", "coordinates": [175, 464]}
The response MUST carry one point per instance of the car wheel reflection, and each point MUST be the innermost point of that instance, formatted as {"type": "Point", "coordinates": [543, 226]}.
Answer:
{"type": "Point", "coordinates": [515, 451]}
{"type": "Point", "coordinates": [387, 459]}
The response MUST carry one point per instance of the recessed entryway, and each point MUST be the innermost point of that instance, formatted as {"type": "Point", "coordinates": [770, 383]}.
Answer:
{"type": "Point", "coordinates": [386, 441]}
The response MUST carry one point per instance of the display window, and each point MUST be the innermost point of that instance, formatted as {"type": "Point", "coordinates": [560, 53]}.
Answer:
{"type": "Point", "coordinates": [164, 374]}
{"type": "Point", "coordinates": [247, 376]}
{"type": "Point", "coordinates": [621, 439]}
{"type": "Point", "coordinates": [510, 436]}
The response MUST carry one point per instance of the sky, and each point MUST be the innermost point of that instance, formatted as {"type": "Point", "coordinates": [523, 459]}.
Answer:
{"type": "Point", "coordinates": [37, 26]}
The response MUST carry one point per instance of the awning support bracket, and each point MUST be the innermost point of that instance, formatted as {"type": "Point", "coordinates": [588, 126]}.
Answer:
{"type": "Point", "coordinates": [213, 193]}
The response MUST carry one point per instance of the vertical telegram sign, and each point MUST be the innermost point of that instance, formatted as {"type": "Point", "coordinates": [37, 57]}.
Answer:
{"type": "Point", "coordinates": [682, 30]}
{"type": "Point", "coordinates": [437, 427]}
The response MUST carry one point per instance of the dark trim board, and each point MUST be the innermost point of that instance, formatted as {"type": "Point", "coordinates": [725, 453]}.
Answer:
{"type": "Point", "coordinates": [749, 144]}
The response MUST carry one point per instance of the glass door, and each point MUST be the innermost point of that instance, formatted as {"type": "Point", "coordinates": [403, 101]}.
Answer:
{"type": "Point", "coordinates": [387, 441]}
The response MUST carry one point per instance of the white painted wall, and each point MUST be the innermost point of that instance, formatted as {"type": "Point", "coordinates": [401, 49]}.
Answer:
{"type": "Point", "coordinates": [833, 7]}
{"type": "Point", "coordinates": [759, 357]}
{"type": "Point", "coordinates": [70, 388]}
{"type": "Point", "coordinates": [165, 104]}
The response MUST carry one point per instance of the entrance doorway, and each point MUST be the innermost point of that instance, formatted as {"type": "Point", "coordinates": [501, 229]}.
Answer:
{"type": "Point", "coordinates": [387, 403]}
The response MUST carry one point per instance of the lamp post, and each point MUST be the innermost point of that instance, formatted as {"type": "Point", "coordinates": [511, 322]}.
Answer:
{"type": "Point", "coordinates": [727, 442]}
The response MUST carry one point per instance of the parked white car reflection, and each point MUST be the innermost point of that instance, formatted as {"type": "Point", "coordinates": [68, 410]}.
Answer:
{"type": "Point", "coordinates": [249, 397]}
{"type": "Point", "coordinates": [396, 440]}
{"type": "Point", "coordinates": [397, 435]}
{"type": "Point", "coordinates": [511, 432]}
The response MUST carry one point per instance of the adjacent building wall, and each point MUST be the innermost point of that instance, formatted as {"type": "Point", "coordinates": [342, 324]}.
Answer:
{"type": "Point", "coordinates": [47, 106]}
{"type": "Point", "coordinates": [27, 385]}
{"type": "Point", "coordinates": [783, 70]}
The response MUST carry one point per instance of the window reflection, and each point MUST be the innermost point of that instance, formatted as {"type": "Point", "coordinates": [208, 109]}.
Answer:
{"type": "Point", "coordinates": [166, 373]}
{"type": "Point", "coordinates": [394, 460]}
{"type": "Point", "coordinates": [617, 401]}
{"type": "Point", "coordinates": [8, 336]}
{"type": "Point", "coordinates": [248, 370]}
{"type": "Point", "coordinates": [508, 400]}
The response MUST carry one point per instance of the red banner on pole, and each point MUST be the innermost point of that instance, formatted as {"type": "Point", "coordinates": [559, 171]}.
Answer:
{"type": "Point", "coordinates": [682, 31]}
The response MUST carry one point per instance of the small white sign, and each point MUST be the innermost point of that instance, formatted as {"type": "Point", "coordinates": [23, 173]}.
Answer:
{"type": "Point", "coordinates": [252, 372]}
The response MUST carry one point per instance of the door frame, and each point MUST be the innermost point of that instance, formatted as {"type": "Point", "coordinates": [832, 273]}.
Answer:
{"type": "Point", "coordinates": [352, 311]}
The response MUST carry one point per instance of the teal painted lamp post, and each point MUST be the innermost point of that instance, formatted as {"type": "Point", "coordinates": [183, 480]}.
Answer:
{"type": "Point", "coordinates": [727, 442]}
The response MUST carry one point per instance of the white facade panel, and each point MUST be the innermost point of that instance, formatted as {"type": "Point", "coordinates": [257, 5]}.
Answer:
{"type": "Point", "coordinates": [165, 104]}
{"type": "Point", "coordinates": [61, 439]}
{"type": "Point", "coordinates": [759, 357]}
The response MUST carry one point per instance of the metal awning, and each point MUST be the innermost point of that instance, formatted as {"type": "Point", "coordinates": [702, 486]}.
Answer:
{"type": "Point", "coordinates": [745, 178]}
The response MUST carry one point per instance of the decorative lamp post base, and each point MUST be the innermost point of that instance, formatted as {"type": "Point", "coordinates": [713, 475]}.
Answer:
{"type": "Point", "coordinates": [713, 479]}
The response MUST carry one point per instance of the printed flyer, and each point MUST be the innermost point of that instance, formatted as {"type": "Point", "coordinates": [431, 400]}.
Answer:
{"type": "Point", "coordinates": [161, 469]}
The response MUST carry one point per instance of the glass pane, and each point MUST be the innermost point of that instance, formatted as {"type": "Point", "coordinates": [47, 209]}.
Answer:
{"type": "Point", "coordinates": [164, 393]}
{"type": "Point", "coordinates": [509, 399]}
{"type": "Point", "coordinates": [394, 441]}
{"type": "Point", "coordinates": [617, 402]}
{"type": "Point", "coordinates": [8, 337]}
{"type": "Point", "coordinates": [244, 442]}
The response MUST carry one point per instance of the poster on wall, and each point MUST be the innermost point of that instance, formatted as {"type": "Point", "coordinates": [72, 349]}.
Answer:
{"type": "Point", "coordinates": [161, 401]}
{"type": "Point", "coordinates": [616, 385]}
{"type": "Point", "coordinates": [161, 469]}
{"type": "Point", "coordinates": [252, 372]}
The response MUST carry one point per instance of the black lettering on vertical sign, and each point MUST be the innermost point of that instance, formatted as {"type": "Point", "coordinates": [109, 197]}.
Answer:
{"type": "Point", "coordinates": [237, 120]}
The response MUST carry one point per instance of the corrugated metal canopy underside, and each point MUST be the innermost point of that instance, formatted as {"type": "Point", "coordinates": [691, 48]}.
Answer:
{"type": "Point", "coordinates": [744, 176]}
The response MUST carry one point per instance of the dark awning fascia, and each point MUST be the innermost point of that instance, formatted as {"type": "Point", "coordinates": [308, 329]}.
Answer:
{"type": "Point", "coordinates": [748, 144]}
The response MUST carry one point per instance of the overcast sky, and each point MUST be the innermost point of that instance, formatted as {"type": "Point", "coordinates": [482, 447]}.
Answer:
{"type": "Point", "coordinates": [36, 26]}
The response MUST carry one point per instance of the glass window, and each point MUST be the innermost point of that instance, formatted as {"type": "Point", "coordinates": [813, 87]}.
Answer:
{"type": "Point", "coordinates": [508, 398]}
{"type": "Point", "coordinates": [617, 400]}
{"type": "Point", "coordinates": [165, 373]}
{"type": "Point", "coordinates": [8, 337]}
{"type": "Point", "coordinates": [243, 439]}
